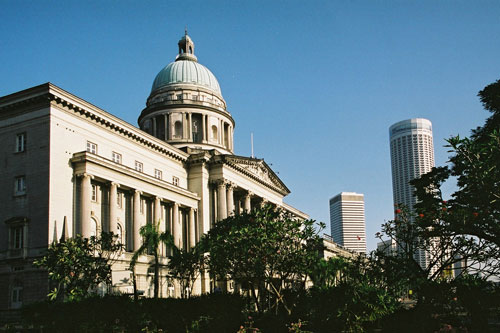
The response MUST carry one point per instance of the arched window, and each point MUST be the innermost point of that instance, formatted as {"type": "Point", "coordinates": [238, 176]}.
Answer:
{"type": "Point", "coordinates": [119, 231]}
{"type": "Point", "coordinates": [214, 133]}
{"type": "Point", "coordinates": [93, 227]}
{"type": "Point", "coordinates": [178, 129]}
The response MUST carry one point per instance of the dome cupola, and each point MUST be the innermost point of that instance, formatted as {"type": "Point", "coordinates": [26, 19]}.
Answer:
{"type": "Point", "coordinates": [186, 107]}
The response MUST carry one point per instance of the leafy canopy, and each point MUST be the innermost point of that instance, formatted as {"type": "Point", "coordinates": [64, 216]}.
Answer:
{"type": "Point", "coordinates": [78, 265]}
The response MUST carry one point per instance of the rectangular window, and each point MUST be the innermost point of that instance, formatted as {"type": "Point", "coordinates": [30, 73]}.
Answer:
{"type": "Point", "coordinates": [158, 174]}
{"type": "Point", "coordinates": [91, 147]}
{"type": "Point", "coordinates": [94, 192]}
{"type": "Point", "coordinates": [179, 97]}
{"type": "Point", "coordinates": [17, 237]}
{"type": "Point", "coordinates": [117, 158]}
{"type": "Point", "coordinates": [17, 297]}
{"type": "Point", "coordinates": [175, 181]}
{"type": "Point", "coordinates": [138, 166]}
{"type": "Point", "coordinates": [119, 199]}
{"type": "Point", "coordinates": [20, 185]}
{"type": "Point", "coordinates": [20, 142]}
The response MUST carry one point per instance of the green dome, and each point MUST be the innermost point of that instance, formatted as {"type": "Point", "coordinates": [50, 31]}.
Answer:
{"type": "Point", "coordinates": [186, 71]}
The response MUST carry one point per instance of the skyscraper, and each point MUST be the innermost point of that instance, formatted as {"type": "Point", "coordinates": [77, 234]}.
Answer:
{"type": "Point", "coordinates": [347, 220]}
{"type": "Point", "coordinates": [412, 155]}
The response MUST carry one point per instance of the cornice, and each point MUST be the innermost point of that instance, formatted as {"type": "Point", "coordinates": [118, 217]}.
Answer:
{"type": "Point", "coordinates": [230, 161]}
{"type": "Point", "coordinates": [53, 95]}
{"type": "Point", "coordinates": [86, 157]}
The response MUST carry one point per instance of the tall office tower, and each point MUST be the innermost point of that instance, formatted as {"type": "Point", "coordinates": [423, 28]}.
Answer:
{"type": "Point", "coordinates": [412, 155]}
{"type": "Point", "coordinates": [347, 220]}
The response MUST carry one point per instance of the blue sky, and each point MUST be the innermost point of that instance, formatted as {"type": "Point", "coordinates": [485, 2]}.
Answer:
{"type": "Point", "coordinates": [317, 82]}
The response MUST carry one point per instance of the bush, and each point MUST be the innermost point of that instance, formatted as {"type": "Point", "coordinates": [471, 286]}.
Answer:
{"type": "Point", "coordinates": [207, 313]}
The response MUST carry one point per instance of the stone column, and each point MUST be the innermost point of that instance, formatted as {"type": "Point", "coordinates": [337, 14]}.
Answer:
{"type": "Point", "coordinates": [136, 225]}
{"type": "Point", "coordinates": [231, 137]}
{"type": "Point", "coordinates": [221, 202]}
{"type": "Point", "coordinates": [113, 196]}
{"type": "Point", "coordinates": [154, 126]}
{"type": "Point", "coordinates": [166, 122]}
{"type": "Point", "coordinates": [263, 202]}
{"type": "Point", "coordinates": [85, 197]}
{"type": "Point", "coordinates": [203, 128]}
{"type": "Point", "coordinates": [230, 199]}
{"type": "Point", "coordinates": [248, 198]}
{"type": "Point", "coordinates": [157, 210]}
{"type": "Point", "coordinates": [222, 141]}
{"type": "Point", "coordinates": [207, 128]}
{"type": "Point", "coordinates": [190, 126]}
{"type": "Point", "coordinates": [185, 133]}
{"type": "Point", "coordinates": [192, 228]}
{"type": "Point", "coordinates": [170, 127]}
{"type": "Point", "coordinates": [176, 226]}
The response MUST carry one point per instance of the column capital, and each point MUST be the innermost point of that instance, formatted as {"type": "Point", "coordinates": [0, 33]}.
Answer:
{"type": "Point", "coordinates": [219, 182]}
{"type": "Point", "coordinates": [85, 174]}
{"type": "Point", "coordinates": [114, 184]}
{"type": "Point", "coordinates": [138, 192]}
{"type": "Point", "coordinates": [249, 194]}
{"type": "Point", "coordinates": [231, 185]}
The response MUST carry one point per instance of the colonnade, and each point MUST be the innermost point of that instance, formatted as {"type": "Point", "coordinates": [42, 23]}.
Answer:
{"type": "Point", "coordinates": [226, 205]}
{"type": "Point", "coordinates": [173, 210]}
{"type": "Point", "coordinates": [223, 138]}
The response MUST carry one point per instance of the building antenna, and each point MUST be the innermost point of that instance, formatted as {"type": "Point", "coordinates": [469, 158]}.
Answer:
{"type": "Point", "coordinates": [251, 142]}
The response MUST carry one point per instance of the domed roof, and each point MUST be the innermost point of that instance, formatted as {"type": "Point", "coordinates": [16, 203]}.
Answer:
{"type": "Point", "coordinates": [186, 71]}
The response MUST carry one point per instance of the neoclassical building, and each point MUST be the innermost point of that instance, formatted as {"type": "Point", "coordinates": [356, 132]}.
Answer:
{"type": "Point", "coordinates": [69, 167]}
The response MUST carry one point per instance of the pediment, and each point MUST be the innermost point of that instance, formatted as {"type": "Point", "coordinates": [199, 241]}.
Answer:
{"type": "Point", "coordinates": [257, 169]}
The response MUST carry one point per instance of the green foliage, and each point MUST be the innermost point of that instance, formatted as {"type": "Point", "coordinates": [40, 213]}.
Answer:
{"type": "Point", "coordinates": [152, 238]}
{"type": "Point", "coordinates": [267, 252]}
{"type": "Point", "coordinates": [353, 296]}
{"type": "Point", "coordinates": [208, 313]}
{"type": "Point", "coordinates": [78, 265]}
{"type": "Point", "coordinates": [474, 209]}
{"type": "Point", "coordinates": [185, 266]}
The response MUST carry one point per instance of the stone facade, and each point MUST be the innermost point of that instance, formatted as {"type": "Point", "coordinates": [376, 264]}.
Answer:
{"type": "Point", "coordinates": [71, 168]}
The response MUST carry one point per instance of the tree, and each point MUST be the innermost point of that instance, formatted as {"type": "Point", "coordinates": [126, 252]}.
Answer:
{"type": "Point", "coordinates": [267, 251]}
{"type": "Point", "coordinates": [152, 238]}
{"type": "Point", "coordinates": [410, 234]}
{"type": "Point", "coordinates": [78, 265]}
{"type": "Point", "coordinates": [185, 266]}
{"type": "Point", "coordinates": [474, 209]}
{"type": "Point", "coordinates": [348, 295]}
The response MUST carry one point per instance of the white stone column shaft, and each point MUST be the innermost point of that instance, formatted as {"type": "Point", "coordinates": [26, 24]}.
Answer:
{"type": "Point", "coordinates": [230, 200]}
{"type": "Point", "coordinates": [176, 226]}
{"type": "Point", "coordinates": [248, 198]}
{"type": "Point", "coordinates": [221, 202]}
{"type": "Point", "coordinates": [203, 126]}
{"type": "Point", "coordinates": [113, 197]}
{"type": "Point", "coordinates": [192, 228]}
{"type": "Point", "coordinates": [136, 225]}
{"type": "Point", "coordinates": [85, 197]}
{"type": "Point", "coordinates": [190, 126]}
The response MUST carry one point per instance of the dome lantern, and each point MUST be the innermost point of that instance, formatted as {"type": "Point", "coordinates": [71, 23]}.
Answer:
{"type": "Point", "coordinates": [186, 48]}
